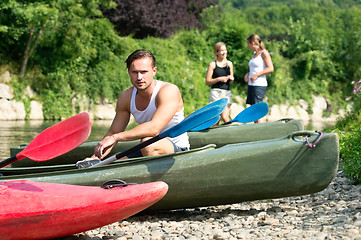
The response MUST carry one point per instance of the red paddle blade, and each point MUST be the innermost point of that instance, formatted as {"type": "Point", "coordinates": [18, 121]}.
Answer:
{"type": "Point", "coordinates": [58, 139]}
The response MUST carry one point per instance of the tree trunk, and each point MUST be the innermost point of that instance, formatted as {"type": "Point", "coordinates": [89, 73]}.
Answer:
{"type": "Point", "coordinates": [29, 49]}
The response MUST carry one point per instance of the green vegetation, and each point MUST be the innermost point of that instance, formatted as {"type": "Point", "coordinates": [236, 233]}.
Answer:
{"type": "Point", "coordinates": [349, 129]}
{"type": "Point", "coordinates": [350, 152]}
{"type": "Point", "coordinates": [67, 51]}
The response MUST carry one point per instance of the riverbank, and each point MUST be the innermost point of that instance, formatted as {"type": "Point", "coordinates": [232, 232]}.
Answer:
{"type": "Point", "coordinates": [334, 213]}
{"type": "Point", "coordinates": [316, 109]}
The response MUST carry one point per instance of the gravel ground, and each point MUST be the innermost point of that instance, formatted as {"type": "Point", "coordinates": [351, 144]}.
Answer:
{"type": "Point", "coordinates": [334, 213]}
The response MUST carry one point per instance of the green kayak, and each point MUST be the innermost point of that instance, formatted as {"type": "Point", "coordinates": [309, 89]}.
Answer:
{"type": "Point", "coordinates": [219, 136]}
{"type": "Point", "coordinates": [301, 163]}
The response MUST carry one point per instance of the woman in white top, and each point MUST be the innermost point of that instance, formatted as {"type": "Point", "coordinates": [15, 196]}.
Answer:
{"type": "Point", "coordinates": [259, 66]}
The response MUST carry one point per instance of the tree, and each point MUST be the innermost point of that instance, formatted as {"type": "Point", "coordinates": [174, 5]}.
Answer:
{"type": "Point", "coordinates": [159, 18]}
{"type": "Point", "coordinates": [23, 23]}
{"type": "Point", "coordinates": [30, 19]}
{"type": "Point", "coordinates": [37, 15]}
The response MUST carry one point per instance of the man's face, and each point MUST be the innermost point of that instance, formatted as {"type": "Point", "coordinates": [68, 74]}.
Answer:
{"type": "Point", "coordinates": [141, 73]}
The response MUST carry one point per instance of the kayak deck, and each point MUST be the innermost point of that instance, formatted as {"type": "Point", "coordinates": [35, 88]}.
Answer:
{"type": "Point", "coordinates": [32, 210]}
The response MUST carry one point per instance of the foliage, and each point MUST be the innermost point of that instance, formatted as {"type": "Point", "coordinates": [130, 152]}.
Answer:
{"type": "Point", "coordinates": [143, 18]}
{"type": "Point", "coordinates": [314, 45]}
{"type": "Point", "coordinates": [352, 117]}
{"type": "Point", "coordinates": [349, 129]}
{"type": "Point", "coordinates": [231, 28]}
{"type": "Point", "coordinates": [269, 3]}
{"type": "Point", "coordinates": [77, 50]}
{"type": "Point", "coordinates": [350, 152]}
{"type": "Point", "coordinates": [19, 94]}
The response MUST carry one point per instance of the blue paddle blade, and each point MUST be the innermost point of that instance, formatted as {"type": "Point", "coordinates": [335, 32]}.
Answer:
{"type": "Point", "coordinates": [206, 125]}
{"type": "Point", "coordinates": [252, 113]}
{"type": "Point", "coordinates": [197, 118]}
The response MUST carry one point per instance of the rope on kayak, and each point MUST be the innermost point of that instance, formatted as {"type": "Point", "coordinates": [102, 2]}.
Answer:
{"type": "Point", "coordinates": [115, 183]}
{"type": "Point", "coordinates": [312, 145]}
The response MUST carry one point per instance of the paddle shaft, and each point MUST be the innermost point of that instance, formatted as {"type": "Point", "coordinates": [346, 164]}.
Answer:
{"type": "Point", "coordinates": [8, 161]}
{"type": "Point", "coordinates": [233, 120]}
{"type": "Point", "coordinates": [128, 151]}
{"type": "Point", "coordinates": [198, 117]}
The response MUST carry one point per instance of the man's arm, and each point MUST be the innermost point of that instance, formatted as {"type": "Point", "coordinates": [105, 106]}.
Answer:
{"type": "Point", "coordinates": [120, 122]}
{"type": "Point", "coordinates": [168, 102]}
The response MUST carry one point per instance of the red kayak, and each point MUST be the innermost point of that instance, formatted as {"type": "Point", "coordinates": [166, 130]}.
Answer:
{"type": "Point", "coordinates": [32, 210]}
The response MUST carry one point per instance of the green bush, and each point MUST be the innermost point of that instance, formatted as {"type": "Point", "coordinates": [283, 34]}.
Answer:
{"type": "Point", "coordinates": [350, 152]}
{"type": "Point", "coordinates": [349, 130]}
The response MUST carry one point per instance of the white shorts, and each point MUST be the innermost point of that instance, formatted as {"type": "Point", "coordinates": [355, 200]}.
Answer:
{"type": "Point", "coordinates": [217, 93]}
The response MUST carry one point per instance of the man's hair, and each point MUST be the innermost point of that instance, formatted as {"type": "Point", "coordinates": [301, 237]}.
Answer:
{"type": "Point", "coordinates": [139, 54]}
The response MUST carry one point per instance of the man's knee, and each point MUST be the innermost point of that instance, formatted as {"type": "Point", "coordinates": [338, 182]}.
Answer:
{"type": "Point", "coordinates": [163, 146]}
{"type": "Point", "coordinates": [149, 151]}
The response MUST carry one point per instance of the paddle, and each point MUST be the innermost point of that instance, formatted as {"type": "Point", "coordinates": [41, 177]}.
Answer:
{"type": "Point", "coordinates": [55, 140]}
{"type": "Point", "coordinates": [251, 114]}
{"type": "Point", "coordinates": [206, 125]}
{"type": "Point", "coordinates": [198, 117]}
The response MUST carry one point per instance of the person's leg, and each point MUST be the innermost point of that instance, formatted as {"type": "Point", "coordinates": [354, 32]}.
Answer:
{"type": "Point", "coordinates": [214, 96]}
{"type": "Point", "coordinates": [250, 95]}
{"type": "Point", "coordinates": [258, 121]}
{"type": "Point", "coordinates": [225, 113]}
{"type": "Point", "coordinates": [163, 146]}
{"type": "Point", "coordinates": [260, 92]}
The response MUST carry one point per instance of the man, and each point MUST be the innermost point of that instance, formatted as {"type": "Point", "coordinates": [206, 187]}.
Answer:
{"type": "Point", "coordinates": [155, 105]}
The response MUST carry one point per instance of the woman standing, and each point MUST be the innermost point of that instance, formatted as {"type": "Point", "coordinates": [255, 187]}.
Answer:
{"type": "Point", "coordinates": [259, 66]}
{"type": "Point", "coordinates": [220, 76]}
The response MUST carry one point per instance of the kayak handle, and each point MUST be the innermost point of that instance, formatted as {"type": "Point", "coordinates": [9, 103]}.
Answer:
{"type": "Point", "coordinates": [115, 183]}
{"type": "Point", "coordinates": [316, 136]}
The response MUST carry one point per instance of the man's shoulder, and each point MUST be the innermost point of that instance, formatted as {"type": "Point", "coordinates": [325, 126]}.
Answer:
{"type": "Point", "coordinates": [168, 90]}
{"type": "Point", "coordinates": [127, 93]}
{"type": "Point", "coordinates": [168, 86]}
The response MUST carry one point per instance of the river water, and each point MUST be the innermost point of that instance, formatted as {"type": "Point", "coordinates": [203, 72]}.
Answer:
{"type": "Point", "coordinates": [13, 133]}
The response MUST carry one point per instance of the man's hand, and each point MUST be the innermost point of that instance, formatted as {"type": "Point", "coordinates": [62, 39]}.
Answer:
{"type": "Point", "coordinates": [107, 143]}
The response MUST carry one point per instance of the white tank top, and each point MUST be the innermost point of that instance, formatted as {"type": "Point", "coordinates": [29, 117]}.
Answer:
{"type": "Point", "coordinates": [257, 65]}
{"type": "Point", "coordinates": [147, 115]}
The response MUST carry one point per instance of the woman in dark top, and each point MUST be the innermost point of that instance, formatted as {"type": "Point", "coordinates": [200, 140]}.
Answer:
{"type": "Point", "coordinates": [220, 76]}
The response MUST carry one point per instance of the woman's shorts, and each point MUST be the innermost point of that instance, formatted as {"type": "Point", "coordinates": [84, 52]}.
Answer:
{"type": "Point", "coordinates": [217, 93]}
{"type": "Point", "coordinates": [255, 94]}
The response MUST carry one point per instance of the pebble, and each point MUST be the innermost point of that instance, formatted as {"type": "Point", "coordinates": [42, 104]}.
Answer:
{"type": "Point", "coordinates": [334, 213]}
